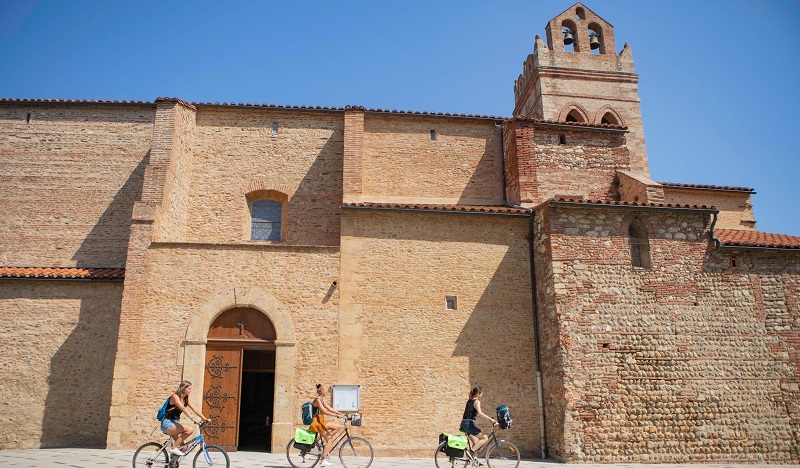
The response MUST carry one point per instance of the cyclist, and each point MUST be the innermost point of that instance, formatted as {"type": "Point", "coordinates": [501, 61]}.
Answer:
{"type": "Point", "coordinates": [319, 424]}
{"type": "Point", "coordinates": [471, 411]}
{"type": "Point", "coordinates": [171, 424]}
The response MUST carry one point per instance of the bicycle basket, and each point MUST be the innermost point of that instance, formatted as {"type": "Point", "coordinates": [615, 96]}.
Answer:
{"type": "Point", "coordinates": [356, 419]}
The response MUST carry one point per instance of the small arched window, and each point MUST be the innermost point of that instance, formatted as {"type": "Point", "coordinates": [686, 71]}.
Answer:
{"type": "Point", "coordinates": [265, 220]}
{"type": "Point", "coordinates": [574, 116]}
{"type": "Point", "coordinates": [609, 119]}
{"type": "Point", "coordinates": [640, 245]}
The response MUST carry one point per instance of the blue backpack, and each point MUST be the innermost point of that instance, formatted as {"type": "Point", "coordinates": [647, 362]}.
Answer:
{"type": "Point", "coordinates": [308, 412]}
{"type": "Point", "coordinates": [162, 413]}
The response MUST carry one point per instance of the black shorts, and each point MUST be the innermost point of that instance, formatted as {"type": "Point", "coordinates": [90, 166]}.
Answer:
{"type": "Point", "coordinates": [468, 426]}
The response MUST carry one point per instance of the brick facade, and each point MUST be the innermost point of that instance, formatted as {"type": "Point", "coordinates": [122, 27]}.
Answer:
{"type": "Point", "coordinates": [525, 222]}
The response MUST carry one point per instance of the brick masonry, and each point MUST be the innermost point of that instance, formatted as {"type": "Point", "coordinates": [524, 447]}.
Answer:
{"type": "Point", "coordinates": [692, 359]}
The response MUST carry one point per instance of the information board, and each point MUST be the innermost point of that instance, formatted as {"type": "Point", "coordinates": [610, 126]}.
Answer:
{"type": "Point", "coordinates": [347, 397]}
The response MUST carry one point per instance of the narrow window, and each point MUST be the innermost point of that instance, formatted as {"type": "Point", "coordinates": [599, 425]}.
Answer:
{"type": "Point", "coordinates": [450, 303]}
{"type": "Point", "coordinates": [28, 118]}
{"type": "Point", "coordinates": [562, 139]}
{"type": "Point", "coordinates": [265, 220]}
{"type": "Point", "coordinates": [733, 262]}
{"type": "Point", "coordinates": [640, 245]}
{"type": "Point", "coordinates": [433, 135]}
{"type": "Point", "coordinates": [275, 128]}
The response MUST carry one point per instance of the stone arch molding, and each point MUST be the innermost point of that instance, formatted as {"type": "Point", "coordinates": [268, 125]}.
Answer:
{"type": "Point", "coordinates": [598, 116]}
{"type": "Point", "coordinates": [562, 117]}
{"type": "Point", "coordinates": [253, 298]}
{"type": "Point", "coordinates": [194, 346]}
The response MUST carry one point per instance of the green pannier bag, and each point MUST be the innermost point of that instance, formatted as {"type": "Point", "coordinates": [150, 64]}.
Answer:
{"type": "Point", "coordinates": [302, 436]}
{"type": "Point", "coordinates": [457, 442]}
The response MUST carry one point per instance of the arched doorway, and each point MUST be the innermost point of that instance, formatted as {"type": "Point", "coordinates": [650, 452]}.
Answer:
{"type": "Point", "coordinates": [239, 380]}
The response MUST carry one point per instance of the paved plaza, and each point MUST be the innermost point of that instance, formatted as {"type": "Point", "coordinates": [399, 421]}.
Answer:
{"type": "Point", "coordinates": [99, 458]}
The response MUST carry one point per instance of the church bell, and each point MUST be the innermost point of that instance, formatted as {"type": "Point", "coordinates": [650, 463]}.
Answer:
{"type": "Point", "coordinates": [568, 38]}
{"type": "Point", "coordinates": [594, 42]}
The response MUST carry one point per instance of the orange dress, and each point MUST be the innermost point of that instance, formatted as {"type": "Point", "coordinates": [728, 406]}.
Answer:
{"type": "Point", "coordinates": [318, 424]}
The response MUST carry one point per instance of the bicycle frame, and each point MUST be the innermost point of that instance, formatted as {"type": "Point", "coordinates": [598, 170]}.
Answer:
{"type": "Point", "coordinates": [343, 434]}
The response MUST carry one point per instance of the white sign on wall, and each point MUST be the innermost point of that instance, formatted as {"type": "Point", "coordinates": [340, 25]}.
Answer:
{"type": "Point", "coordinates": [347, 397]}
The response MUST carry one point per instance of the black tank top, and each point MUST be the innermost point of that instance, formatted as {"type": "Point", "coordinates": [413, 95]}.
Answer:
{"type": "Point", "coordinates": [469, 411]}
{"type": "Point", "coordinates": [173, 412]}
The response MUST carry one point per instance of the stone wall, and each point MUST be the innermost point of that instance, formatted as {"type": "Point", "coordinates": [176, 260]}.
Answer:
{"type": "Point", "coordinates": [416, 360]}
{"type": "Point", "coordinates": [583, 166]}
{"type": "Point", "coordinates": [70, 176]}
{"type": "Point", "coordinates": [58, 340]}
{"type": "Point", "coordinates": [735, 208]}
{"type": "Point", "coordinates": [235, 152]}
{"type": "Point", "coordinates": [689, 361]}
{"type": "Point", "coordinates": [401, 163]}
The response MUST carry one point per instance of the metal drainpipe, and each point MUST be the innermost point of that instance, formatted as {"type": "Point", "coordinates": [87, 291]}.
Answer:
{"type": "Point", "coordinates": [539, 389]}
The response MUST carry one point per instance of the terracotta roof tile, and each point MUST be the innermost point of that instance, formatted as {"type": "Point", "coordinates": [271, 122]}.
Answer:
{"type": "Point", "coordinates": [730, 188]}
{"type": "Point", "coordinates": [249, 104]}
{"type": "Point", "coordinates": [487, 209]}
{"type": "Point", "coordinates": [63, 273]}
{"type": "Point", "coordinates": [619, 203]}
{"type": "Point", "coordinates": [741, 238]}
{"type": "Point", "coordinates": [73, 101]}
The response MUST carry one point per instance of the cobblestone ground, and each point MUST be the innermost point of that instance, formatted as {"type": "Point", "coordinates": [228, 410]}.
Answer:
{"type": "Point", "coordinates": [89, 458]}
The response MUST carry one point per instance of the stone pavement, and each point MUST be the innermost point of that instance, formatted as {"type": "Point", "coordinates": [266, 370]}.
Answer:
{"type": "Point", "coordinates": [99, 458]}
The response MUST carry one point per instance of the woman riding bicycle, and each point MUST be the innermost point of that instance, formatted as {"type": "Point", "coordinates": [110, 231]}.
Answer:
{"type": "Point", "coordinates": [471, 411]}
{"type": "Point", "coordinates": [171, 424]}
{"type": "Point", "coordinates": [319, 424]}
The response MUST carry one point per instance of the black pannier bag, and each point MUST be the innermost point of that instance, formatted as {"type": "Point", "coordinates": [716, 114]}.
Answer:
{"type": "Point", "coordinates": [450, 451]}
{"type": "Point", "coordinates": [303, 447]}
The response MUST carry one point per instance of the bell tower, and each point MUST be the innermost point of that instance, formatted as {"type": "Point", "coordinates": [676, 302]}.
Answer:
{"type": "Point", "coordinates": [578, 77]}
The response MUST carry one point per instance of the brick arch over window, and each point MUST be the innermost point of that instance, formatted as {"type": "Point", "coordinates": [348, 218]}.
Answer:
{"type": "Point", "coordinates": [573, 110]}
{"type": "Point", "coordinates": [195, 339]}
{"type": "Point", "coordinates": [267, 213]}
{"type": "Point", "coordinates": [608, 113]}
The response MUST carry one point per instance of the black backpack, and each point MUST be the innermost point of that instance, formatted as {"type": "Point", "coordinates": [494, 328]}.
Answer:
{"type": "Point", "coordinates": [504, 417]}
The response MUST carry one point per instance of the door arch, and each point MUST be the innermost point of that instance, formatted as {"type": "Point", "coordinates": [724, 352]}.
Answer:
{"type": "Point", "coordinates": [240, 355]}
{"type": "Point", "coordinates": [194, 350]}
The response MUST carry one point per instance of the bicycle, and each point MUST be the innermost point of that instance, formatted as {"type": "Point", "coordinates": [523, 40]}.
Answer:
{"type": "Point", "coordinates": [499, 454]}
{"type": "Point", "coordinates": [355, 452]}
{"type": "Point", "coordinates": [155, 455]}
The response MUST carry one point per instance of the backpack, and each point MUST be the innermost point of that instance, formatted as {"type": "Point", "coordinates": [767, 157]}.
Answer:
{"type": "Point", "coordinates": [162, 413]}
{"type": "Point", "coordinates": [308, 412]}
{"type": "Point", "coordinates": [504, 417]}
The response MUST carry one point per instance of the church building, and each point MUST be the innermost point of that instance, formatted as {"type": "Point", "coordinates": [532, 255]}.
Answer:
{"type": "Point", "coordinates": [256, 250]}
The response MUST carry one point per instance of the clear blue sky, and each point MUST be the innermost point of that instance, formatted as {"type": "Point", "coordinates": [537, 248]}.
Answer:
{"type": "Point", "coordinates": [718, 80]}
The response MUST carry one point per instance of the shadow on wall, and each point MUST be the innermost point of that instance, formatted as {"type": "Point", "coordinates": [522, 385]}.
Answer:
{"type": "Point", "coordinates": [106, 245]}
{"type": "Point", "coordinates": [498, 340]}
{"type": "Point", "coordinates": [78, 381]}
{"type": "Point", "coordinates": [485, 186]}
{"type": "Point", "coordinates": [315, 207]}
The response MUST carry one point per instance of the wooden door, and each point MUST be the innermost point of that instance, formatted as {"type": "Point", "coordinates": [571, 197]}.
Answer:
{"type": "Point", "coordinates": [221, 393]}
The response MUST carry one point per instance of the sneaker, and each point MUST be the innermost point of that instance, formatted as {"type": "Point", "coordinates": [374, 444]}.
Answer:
{"type": "Point", "coordinates": [176, 452]}
{"type": "Point", "coordinates": [325, 462]}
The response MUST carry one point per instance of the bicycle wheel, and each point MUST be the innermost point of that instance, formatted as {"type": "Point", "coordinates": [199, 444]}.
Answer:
{"type": "Point", "coordinates": [300, 458]}
{"type": "Point", "coordinates": [355, 453]}
{"type": "Point", "coordinates": [150, 455]}
{"type": "Point", "coordinates": [212, 456]}
{"type": "Point", "coordinates": [503, 454]}
{"type": "Point", "coordinates": [443, 460]}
